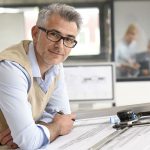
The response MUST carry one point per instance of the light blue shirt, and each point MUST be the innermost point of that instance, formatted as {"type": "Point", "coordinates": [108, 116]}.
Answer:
{"type": "Point", "coordinates": [125, 53]}
{"type": "Point", "coordinates": [14, 85]}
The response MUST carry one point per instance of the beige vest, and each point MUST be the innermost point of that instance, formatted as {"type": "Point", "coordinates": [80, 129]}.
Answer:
{"type": "Point", "coordinates": [36, 96]}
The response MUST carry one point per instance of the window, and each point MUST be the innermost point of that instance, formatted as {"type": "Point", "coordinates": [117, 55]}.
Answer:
{"type": "Point", "coordinates": [89, 36]}
{"type": "Point", "coordinates": [94, 39]}
{"type": "Point", "coordinates": [134, 62]}
{"type": "Point", "coordinates": [21, 21]}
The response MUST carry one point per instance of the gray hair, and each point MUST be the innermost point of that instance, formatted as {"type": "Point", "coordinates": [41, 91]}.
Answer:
{"type": "Point", "coordinates": [65, 11]}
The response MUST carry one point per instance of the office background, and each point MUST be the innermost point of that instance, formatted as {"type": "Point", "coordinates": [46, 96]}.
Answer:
{"type": "Point", "coordinates": [98, 40]}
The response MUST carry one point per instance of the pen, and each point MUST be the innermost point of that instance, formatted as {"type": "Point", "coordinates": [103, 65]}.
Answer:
{"type": "Point", "coordinates": [61, 113]}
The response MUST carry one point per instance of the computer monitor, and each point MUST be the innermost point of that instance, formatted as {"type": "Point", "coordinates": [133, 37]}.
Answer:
{"type": "Point", "coordinates": [90, 82]}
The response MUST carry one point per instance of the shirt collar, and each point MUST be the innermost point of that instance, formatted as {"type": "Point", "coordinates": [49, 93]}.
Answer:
{"type": "Point", "coordinates": [35, 67]}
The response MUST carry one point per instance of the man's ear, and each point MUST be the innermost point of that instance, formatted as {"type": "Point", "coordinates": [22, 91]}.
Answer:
{"type": "Point", "coordinates": [35, 33]}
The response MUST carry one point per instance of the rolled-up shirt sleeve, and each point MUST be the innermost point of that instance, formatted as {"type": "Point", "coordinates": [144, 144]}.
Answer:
{"type": "Point", "coordinates": [17, 110]}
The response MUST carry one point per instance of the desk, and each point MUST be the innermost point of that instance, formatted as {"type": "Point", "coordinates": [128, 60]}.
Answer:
{"type": "Point", "coordinates": [93, 136]}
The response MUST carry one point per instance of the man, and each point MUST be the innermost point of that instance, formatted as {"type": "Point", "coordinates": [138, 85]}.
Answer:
{"type": "Point", "coordinates": [125, 53]}
{"type": "Point", "coordinates": [32, 85]}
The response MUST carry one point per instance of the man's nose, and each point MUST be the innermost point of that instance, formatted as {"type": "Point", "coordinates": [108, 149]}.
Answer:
{"type": "Point", "coordinates": [60, 42]}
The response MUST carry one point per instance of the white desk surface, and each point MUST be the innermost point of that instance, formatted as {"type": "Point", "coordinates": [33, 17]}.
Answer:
{"type": "Point", "coordinates": [90, 136]}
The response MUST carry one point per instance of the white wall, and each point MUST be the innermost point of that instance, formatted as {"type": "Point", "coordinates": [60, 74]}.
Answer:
{"type": "Point", "coordinates": [128, 93]}
{"type": "Point", "coordinates": [11, 29]}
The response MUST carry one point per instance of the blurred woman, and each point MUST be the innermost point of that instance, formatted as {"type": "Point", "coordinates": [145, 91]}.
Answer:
{"type": "Point", "coordinates": [125, 53]}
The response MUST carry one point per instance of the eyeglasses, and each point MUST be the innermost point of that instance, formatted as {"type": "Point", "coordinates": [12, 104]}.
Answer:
{"type": "Point", "coordinates": [55, 37]}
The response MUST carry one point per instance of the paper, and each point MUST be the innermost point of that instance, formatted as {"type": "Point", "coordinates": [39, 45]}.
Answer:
{"type": "Point", "coordinates": [97, 133]}
{"type": "Point", "coordinates": [83, 137]}
{"type": "Point", "coordinates": [137, 137]}
{"type": "Point", "coordinates": [92, 121]}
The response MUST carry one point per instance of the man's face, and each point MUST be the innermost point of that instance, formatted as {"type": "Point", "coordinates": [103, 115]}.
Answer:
{"type": "Point", "coordinates": [48, 52]}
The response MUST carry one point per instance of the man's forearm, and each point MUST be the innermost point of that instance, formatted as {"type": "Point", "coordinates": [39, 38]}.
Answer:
{"type": "Point", "coordinates": [53, 128]}
{"type": "Point", "coordinates": [61, 125]}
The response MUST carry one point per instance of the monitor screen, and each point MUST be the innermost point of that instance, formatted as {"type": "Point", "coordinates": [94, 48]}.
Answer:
{"type": "Point", "coordinates": [90, 82]}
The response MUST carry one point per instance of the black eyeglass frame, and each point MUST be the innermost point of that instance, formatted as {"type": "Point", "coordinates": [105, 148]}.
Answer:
{"type": "Point", "coordinates": [61, 37]}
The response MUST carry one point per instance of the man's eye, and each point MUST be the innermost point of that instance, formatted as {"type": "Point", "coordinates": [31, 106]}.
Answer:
{"type": "Point", "coordinates": [54, 34]}
{"type": "Point", "coordinates": [69, 40]}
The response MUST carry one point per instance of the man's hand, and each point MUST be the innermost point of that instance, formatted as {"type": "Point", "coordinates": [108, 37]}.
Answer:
{"type": "Point", "coordinates": [64, 123]}
{"type": "Point", "coordinates": [61, 125]}
{"type": "Point", "coordinates": [6, 139]}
